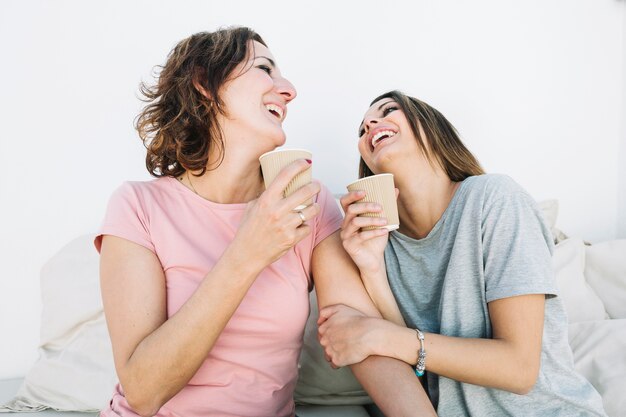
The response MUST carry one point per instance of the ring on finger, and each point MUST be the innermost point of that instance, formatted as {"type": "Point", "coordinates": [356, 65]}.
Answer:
{"type": "Point", "coordinates": [301, 214]}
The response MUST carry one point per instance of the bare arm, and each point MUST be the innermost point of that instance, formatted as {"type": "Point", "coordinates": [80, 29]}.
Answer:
{"type": "Point", "coordinates": [509, 361]}
{"type": "Point", "coordinates": [155, 356]}
{"type": "Point", "coordinates": [391, 383]}
{"type": "Point", "coordinates": [366, 249]}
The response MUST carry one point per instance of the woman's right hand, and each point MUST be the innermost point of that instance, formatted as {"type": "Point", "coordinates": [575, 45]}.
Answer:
{"type": "Point", "coordinates": [270, 226]}
{"type": "Point", "coordinates": [366, 247]}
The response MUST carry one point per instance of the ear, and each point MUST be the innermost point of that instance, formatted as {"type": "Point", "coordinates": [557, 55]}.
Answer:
{"type": "Point", "coordinates": [198, 74]}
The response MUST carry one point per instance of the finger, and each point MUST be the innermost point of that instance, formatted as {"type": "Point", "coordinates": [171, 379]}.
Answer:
{"type": "Point", "coordinates": [372, 234]}
{"type": "Point", "coordinates": [327, 312]}
{"type": "Point", "coordinates": [310, 212]}
{"type": "Point", "coordinates": [363, 208]}
{"type": "Point", "coordinates": [354, 210]}
{"type": "Point", "coordinates": [320, 322]}
{"type": "Point", "coordinates": [299, 217]}
{"type": "Point", "coordinates": [350, 198]}
{"type": "Point", "coordinates": [353, 227]}
{"type": "Point", "coordinates": [361, 222]}
{"type": "Point", "coordinates": [397, 192]}
{"type": "Point", "coordinates": [284, 177]}
{"type": "Point", "coordinates": [321, 329]}
{"type": "Point", "coordinates": [303, 195]}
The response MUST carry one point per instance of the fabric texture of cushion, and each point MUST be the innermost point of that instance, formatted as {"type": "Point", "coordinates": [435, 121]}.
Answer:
{"type": "Point", "coordinates": [75, 370]}
{"type": "Point", "coordinates": [581, 301]}
{"type": "Point", "coordinates": [598, 348]}
{"type": "Point", "coordinates": [550, 211]}
{"type": "Point", "coordinates": [605, 271]}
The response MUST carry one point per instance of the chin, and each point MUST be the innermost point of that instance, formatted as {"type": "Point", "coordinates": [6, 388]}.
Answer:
{"type": "Point", "coordinates": [383, 161]}
{"type": "Point", "coordinates": [279, 139]}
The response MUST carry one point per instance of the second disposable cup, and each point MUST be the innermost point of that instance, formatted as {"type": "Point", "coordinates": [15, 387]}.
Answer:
{"type": "Point", "coordinates": [379, 189]}
{"type": "Point", "coordinates": [273, 162]}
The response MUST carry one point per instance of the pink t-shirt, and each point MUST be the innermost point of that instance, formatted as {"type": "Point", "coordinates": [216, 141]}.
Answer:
{"type": "Point", "coordinates": [252, 368]}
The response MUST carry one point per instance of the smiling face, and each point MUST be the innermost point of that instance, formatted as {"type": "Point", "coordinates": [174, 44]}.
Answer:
{"type": "Point", "coordinates": [255, 100]}
{"type": "Point", "coordinates": [386, 137]}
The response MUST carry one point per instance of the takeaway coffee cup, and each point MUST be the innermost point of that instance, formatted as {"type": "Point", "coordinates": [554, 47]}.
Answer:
{"type": "Point", "coordinates": [272, 162]}
{"type": "Point", "coordinates": [379, 189]}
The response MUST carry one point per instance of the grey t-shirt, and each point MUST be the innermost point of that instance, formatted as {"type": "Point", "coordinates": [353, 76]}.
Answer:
{"type": "Point", "coordinates": [490, 243]}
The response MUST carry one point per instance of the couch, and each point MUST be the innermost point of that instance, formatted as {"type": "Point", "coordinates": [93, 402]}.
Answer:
{"type": "Point", "coordinates": [75, 371]}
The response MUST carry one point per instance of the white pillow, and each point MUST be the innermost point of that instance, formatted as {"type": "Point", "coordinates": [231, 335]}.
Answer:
{"type": "Point", "coordinates": [581, 302]}
{"type": "Point", "coordinates": [318, 382]}
{"type": "Point", "coordinates": [75, 370]}
{"type": "Point", "coordinates": [598, 348]}
{"type": "Point", "coordinates": [605, 272]}
{"type": "Point", "coordinates": [550, 211]}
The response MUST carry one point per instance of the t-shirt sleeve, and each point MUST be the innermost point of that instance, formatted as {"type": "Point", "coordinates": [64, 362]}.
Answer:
{"type": "Point", "coordinates": [517, 248]}
{"type": "Point", "coordinates": [329, 220]}
{"type": "Point", "coordinates": [126, 218]}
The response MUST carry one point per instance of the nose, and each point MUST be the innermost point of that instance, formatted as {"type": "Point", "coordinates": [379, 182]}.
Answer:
{"type": "Point", "coordinates": [285, 89]}
{"type": "Point", "coordinates": [370, 123]}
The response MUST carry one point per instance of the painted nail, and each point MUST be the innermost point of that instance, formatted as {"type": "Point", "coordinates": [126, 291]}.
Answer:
{"type": "Point", "coordinates": [309, 161]}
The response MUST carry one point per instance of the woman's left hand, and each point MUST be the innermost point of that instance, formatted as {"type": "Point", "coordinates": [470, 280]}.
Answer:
{"type": "Point", "coordinates": [346, 334]}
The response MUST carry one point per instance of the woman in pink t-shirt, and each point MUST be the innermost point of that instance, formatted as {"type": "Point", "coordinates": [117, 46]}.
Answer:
{"type": "Point", "coordinates": [205, 274]}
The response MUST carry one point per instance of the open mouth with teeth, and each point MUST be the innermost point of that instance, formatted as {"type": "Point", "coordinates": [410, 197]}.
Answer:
{"type": "Point", "coordinates": [275, 110]}
{"type": "Point", "coordinates": [380, 136]}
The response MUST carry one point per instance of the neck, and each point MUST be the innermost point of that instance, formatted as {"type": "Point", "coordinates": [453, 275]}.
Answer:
{"type": "Point", "coordinates": [422, 201]}
{"type": "Point", "coordinates": [230, 183]}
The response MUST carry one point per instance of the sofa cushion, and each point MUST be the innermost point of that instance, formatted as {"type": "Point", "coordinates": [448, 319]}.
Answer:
{"type": "Point", "coordinates": [598, 348]}
{"type": "Point", "coordinates": [581, 301]}
{"type": "Point", "coordinates": [605, 271]}
{"type": "Point", "coordinates": [75, 370]}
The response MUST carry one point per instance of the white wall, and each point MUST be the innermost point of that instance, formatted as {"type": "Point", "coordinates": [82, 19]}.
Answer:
{"type": "Point", "coordinates": [621, 227]}
{"type": "Point", "coordinates": [536, 89]}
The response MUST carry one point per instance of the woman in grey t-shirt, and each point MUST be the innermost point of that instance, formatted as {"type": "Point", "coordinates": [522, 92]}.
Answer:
{"type": "Point", "coordinates": [465, 285]}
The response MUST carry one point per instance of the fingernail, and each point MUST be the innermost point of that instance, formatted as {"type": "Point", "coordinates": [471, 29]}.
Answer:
{"type": "Point", "coordinates": [309, 161]}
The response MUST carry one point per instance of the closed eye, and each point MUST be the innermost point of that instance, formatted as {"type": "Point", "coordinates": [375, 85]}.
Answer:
{"type": "Point", "coordinates": [265, 68]}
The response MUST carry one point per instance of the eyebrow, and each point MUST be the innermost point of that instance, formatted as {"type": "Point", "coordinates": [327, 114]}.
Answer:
{"type": "Point", "coordinates": [379, 107]}
{"type": "Point", "coordinates": [269, 59]}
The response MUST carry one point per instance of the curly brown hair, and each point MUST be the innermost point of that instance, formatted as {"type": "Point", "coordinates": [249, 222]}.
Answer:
{"type": "Point", "coordinates": [444, 144]}
{"type": "Point", "coordinates": [179, 125]}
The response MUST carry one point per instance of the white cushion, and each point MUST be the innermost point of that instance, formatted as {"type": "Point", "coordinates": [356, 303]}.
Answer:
{"type": "Point", "coordinates": [581, 302]}
{"type": "Point", "coordinates": [605, 271]}
{"type": "Point", "coordinates": [75, 368]}
{"type": "Point", "coordinates": [550, 211]}
{"type": "Point", "coordinates": [598, 348]}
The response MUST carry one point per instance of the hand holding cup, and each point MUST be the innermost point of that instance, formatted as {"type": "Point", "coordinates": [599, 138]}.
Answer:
{"type": "Point", "coordinates": [370, 213]}
{"type": "Point", "coordinates": [270, 226]}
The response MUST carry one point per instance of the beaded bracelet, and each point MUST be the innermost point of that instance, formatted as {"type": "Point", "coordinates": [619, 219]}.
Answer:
{"type": "Point", "coordinates": [420, 367]}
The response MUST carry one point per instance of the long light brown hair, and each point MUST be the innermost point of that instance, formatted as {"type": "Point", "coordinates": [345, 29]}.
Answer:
{"type": "Point", "coordinates": [444, 145]}
{"type": "Point", "coordinates": [179, 125]}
